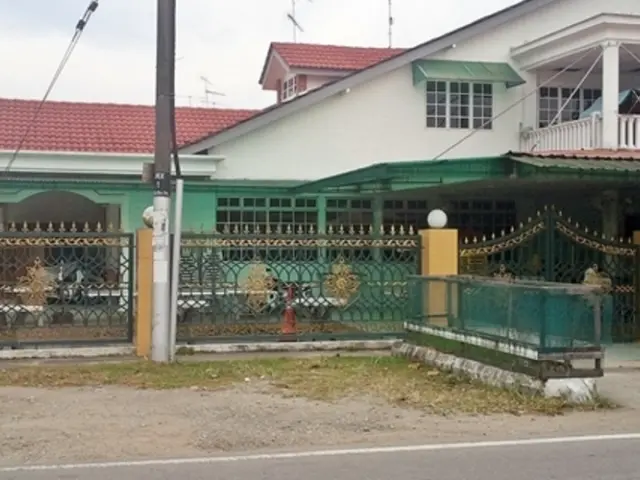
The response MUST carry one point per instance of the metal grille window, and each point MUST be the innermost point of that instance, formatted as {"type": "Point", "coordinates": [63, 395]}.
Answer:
{"type": "Point", "coordinates": [258, 215]}
{"type": "Point", "coordinates": [475, 218]}
{"type": "Point", "coordinates": [345, 215]}
{"type": "Point", "coordinates": [406, 214]}
{"type": "Point", "coordinates": [551, 99]}
{"type": "Point", "coordinates": [459, 105]}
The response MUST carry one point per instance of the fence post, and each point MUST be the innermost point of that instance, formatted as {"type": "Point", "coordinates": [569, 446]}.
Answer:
{"type": "Point", "coordinates": [440, 257]}
{"type": "Point", "coordinates": [144, 288]}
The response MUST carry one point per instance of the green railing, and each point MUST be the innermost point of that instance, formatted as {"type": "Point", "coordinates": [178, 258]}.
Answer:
{"type": "Point", "coordinates": [542, 316]}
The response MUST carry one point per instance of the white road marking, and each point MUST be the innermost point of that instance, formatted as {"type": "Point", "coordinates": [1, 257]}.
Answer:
{"type": "Point", "coordinates": [324, 453]}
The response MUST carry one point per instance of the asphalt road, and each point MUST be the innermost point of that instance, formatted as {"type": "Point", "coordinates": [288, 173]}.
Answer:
{"type": "Point", "coordinates": [586, 458]}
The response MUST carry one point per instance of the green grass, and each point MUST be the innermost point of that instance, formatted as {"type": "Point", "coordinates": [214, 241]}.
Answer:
{"type": "Point", "coordinates": [390, 379]}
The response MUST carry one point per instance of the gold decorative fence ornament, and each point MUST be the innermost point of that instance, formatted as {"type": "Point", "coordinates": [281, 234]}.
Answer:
{"type": "Point", "coordinates": [35, 285]}
{"type": "Point", "coordinates": [258, 286]}
{"type": "Point", "coordinates": [342, 283]}
{"type": "Point", "coordinates": [62, 234]}
{"type": "Point", "coordinates": [593, 276]}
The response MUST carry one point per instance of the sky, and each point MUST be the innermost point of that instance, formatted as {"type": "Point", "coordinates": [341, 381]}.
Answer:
{"type": "Point", "coordinates": [223, 41]}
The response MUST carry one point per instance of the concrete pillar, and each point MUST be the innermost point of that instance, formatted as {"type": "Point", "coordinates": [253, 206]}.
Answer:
{"type": "Point", "coordinates": [610, 93]}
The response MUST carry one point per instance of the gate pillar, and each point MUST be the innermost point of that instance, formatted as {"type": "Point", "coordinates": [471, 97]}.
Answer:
{"type": "Point", "coordinates": [144, 290]}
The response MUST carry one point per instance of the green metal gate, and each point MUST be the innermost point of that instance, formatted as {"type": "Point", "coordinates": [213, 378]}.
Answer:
{"type": "Point", "coordinates": [552, 248]}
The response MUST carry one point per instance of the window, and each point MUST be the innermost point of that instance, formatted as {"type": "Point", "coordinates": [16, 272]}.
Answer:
{"type": "Point", "coordinates": [289, 88]}
{"type": "Point", "coordinates": [459, 105]}
{"type": "Point", "coordinates": [259, 215]}
{"type": "Point", "coordinates": [551, 100]}
{"type": "Point", "coordinates": [406, 214]}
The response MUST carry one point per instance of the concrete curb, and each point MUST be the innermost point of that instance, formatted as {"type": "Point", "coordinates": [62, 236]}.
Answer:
{"type": "Point", "coordinates": [222, 348]}
{"type": "Point", "coordinates": [68, 352]}
{"type": "Point", "coordinates": [325, 346]}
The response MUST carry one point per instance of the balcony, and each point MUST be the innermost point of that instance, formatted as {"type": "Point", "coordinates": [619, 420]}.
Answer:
{"type": "Point", "coordinates": [585, 133]}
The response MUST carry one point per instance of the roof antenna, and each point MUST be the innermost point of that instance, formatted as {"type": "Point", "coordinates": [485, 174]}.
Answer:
{"type": "Point", "coordinates": [294, 22]}
{"type": "Point", "coordinates": [390, 23]}
{"type": "Point", "coordinates": [209, 92]}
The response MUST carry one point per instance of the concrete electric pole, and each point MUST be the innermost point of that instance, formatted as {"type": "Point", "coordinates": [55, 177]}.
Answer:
{"type": "Point", "coordinates": [165, 64]}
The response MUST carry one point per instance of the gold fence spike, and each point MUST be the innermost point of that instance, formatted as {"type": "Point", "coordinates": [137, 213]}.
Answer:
{"type": "Point", "coordinates": [484, 239]}
{"type": "Point", "coordinates": [529, 220]}
{"type": "Point", "coordinates": [341, 230]}
{"type": "Point", "coordinates": [268, 230]}
{"type": "Point", "coordinates": [86, 228]}
{"type": "Point", "coordinates": [278, 229]}
{"type": "Point", "coordinates": [502, 233]}
{"type": "Point", "coordinates": [546, 208]}
{"type": "Point", "coordinates": [538, 213]}
{"type": "Point", "coordinates": [235, 230]}
{"type": "Point", "coordinates": [351, 230]}
{"type": "Point", "coordinates": [110, 227]}
{"type": "Point", "coordinates": [245, 230]}
{"type": "Point", "coordinates": [50, 227]}
{"type": "Point", "coordinates": [465, 240]}
{"type": "Point", "coordinates": [37, 227]}
{"type": "Point", "coordinates": [73, 227]}
{"type": "Point", "coordinates": [411, 230]}
{"type": "Point", "coordinates": [361, 231]}
{"type": "Point", "coordinates": [493, 236]}
{"type": "Point", "coordinates": [475, 240]}
{"type": "Point", "coordinates": [62, 227]}
{"type": "Point", "coordinates": [98, 227]}
{"type": "Point", "coordinates": [521, 225]}
{"type": "Point", "coordinates": [511, 230]}
{"type": "Point", "coordinates": [382, 230]}
{"type": "Point", "coordinates": [569, 219]}
{"type": "Point", "coordinates": [330, 230]}
{"type": "Point", "coordinates": [12, 227]}
{"type": "Point", "coordinates": [401, 230]}
{"type": "Point", "coordinates": [289, 230]}
{"type": "Point", "coordinates": [586, 230]}
{"type": "Point", "coordinates": [559, 213]}
{"type": "Point", "coordinates": [25, 227]}
{"type": "Point", "coordinates": [300, 230]}
{"type": "Point", "coordinates": [392, 231]}
{"type": "Point", "coordinates": [311, 230]}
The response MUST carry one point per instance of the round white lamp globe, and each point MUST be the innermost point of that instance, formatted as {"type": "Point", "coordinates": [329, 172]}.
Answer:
{"type": "Point", "coordinates": [147, 217]}
{"type": "Point", "coordinates": [437, 219]}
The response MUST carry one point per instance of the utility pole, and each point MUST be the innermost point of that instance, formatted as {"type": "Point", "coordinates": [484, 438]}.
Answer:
{"type": "Point", "coordinates": [165, 64]}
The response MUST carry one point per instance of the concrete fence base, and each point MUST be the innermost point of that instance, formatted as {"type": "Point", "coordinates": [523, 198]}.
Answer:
{"type": "Point", "coordinates": [576, 390]}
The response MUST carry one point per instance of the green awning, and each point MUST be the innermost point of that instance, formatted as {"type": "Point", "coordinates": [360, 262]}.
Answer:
{"type": "Point", "coordinates": [482, 72]}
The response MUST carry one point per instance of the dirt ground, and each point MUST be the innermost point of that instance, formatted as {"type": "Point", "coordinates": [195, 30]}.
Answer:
{"type": "Point", "coordinates": [115, 423]}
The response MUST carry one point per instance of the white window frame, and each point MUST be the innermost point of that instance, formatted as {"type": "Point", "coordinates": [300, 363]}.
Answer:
{"type": "Point", "coordinates": [289, 88]}
{"type": "Point", "coordinates": [578, 103]}
{"type": "Point", "coordinates": [459, 105]}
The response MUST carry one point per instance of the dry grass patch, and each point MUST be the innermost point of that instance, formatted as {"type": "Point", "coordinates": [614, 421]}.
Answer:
{"type": "Point", "coordinates": [391, 379]}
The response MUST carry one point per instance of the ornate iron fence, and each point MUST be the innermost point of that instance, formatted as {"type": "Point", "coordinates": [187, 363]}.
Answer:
{"type": "Point", "coordinates": [339, 284]}
{"type": "Point", "coordinates": [64, 285]}
{"type": "Point", "coordinates": [553, 248]}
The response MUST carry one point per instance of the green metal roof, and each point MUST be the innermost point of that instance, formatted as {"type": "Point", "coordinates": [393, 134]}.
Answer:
{"type": "Point", "coordinates": [406, 175]}
{"type": "Point", "coordinates": [482, 72]}
{"type": "Point", "coordinates": [592, 165]}
{"type": "Point", "coordinates": [389, 177]}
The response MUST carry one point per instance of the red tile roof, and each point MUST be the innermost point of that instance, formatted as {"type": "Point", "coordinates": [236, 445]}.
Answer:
{"type": "Point", "coordinates": [594, 154]}
{"type": "Point", "coordinates": [331, 57]}
{"type": "Point", "coordinates": [103, 127]}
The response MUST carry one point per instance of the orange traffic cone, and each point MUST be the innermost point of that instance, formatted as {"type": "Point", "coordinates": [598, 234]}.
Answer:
{"type": "Point", "coordinates": [289, 317]}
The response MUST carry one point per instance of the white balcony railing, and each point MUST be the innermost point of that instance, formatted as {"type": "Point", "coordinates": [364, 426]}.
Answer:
{"type": "Point", "coordinates": [578, 134]}
{"type": "Point", "coordinates": [585, 133]}
{"type": "Point", "coordinates": [629, 131]}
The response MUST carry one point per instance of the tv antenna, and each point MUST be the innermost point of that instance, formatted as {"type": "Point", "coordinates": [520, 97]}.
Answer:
{"type": "Point", "coordinates": [390, 18]}
{"type": "Point", "coordinates": [294, 21]}
{"type": "Point", "coordinates": [209, 91]}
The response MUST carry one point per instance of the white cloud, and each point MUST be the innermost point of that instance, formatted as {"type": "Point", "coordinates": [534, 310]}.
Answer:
{"type": "Point", "coordinates": [222, 40]}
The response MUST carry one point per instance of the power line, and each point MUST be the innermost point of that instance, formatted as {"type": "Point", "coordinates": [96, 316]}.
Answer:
{"type": "Point", "coordinates": [82, 23]}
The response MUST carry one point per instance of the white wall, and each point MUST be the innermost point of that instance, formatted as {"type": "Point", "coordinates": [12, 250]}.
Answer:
{"type": "Point", "coordinates": [384, 120]}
